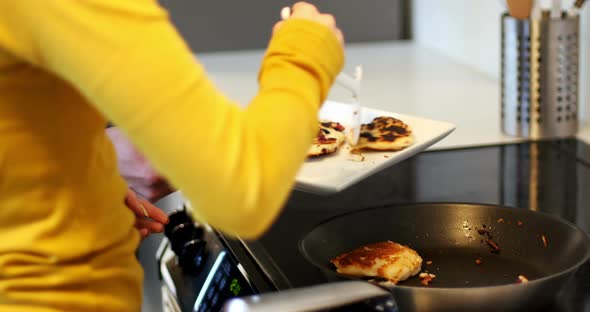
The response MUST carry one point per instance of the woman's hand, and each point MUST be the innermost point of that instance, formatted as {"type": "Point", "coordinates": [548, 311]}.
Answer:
{"type": "Point", "coordinates": [308, 11]}
{"type": "Point", "coordinates": [149, 218]}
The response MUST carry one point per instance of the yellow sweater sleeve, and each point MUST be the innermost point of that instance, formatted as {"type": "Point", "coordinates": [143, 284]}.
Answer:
{"type": "Point", "coordinates": [237, 166]}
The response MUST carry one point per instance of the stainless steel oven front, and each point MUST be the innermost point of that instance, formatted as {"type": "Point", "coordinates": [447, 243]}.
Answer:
{"type": "Point", "coordinates": [198, 272]}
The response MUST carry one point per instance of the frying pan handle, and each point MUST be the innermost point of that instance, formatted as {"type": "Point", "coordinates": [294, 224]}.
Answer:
{"type": "Point", "coordinates": [313, 298]}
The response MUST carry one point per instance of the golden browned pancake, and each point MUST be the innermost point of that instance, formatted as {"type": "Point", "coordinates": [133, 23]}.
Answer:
{"type": "Point", "coordinates": [328, 139]}
{"type": "Point", "coordinates": [385, 134]}
{"type": "Point", "coordinates": [387, 260]}
{"type": "Point", "coordinates": [332, 124]}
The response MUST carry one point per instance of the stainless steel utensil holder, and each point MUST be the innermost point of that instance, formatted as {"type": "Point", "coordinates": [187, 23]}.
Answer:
{"type": "Point", "coordinates": [539, 72]}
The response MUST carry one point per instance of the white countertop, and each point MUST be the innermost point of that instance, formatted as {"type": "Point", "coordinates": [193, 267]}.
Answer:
{"type": "Point", "coordinates": [401, 77]}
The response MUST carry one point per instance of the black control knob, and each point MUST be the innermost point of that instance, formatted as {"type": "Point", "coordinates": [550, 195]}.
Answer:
{"type": "Point", "coordinates": [176, 218]}
{"type": "Point", "coordinates": [186, 240]}
{"type": "Point", "coordinates": [182, 234]}
{"type": "Point", "coordinates": [193, 256]}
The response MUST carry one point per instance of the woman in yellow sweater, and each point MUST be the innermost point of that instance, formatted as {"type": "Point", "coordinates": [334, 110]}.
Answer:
{"type": "Point", "coordinates": [67, 240]}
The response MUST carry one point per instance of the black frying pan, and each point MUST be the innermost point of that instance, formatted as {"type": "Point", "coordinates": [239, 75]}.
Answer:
{"type": "Point", "coordinates": [447, 234]}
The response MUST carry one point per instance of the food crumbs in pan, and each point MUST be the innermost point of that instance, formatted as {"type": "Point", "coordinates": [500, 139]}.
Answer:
{"type": "Point", "coordinates": [519, 223]}
{"type": "Point", "coordinates": [426, 278]}
{"type": "Point", "coordinates": [429, 262]}
{"type": "Point", "coordinates": [500, 220]}
{"type": "Point", "coordinates": [494, 247]}
{"type": "Point", "coordinates": [522, 279]}
{"type": "Point", "coordinates": [478, 261]}
{"type": "Point", "coordinates": [544, 239]}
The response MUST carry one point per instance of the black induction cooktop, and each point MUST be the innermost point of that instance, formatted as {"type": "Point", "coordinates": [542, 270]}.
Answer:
{"type": "Point", "coordinates": [548, 176]}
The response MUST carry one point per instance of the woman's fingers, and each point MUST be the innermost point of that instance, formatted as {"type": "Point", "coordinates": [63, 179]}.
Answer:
{"type": "Point", "coordinates": [304, 10]}
{"type": "Point", "coordinates": [277, 26]}
{"type": "Point", "coordinates": [149, 218]}
{"type": "Point", "coordinates": [131, 201]}
{"type": "Point", "coordinates": [326, 19]}
{"type": "Point", "coordinates": [151, 226]}
{"type": "Point", "coordinates": [339, 35]}
{"type": "Point", "coordinates": [144, 209]}
{"type": "Point", "coordinates": [154, 212]}
{"type": "Point", "coordinates": [144, 233]}
{"type": "Point", "coordinates": [308, 11]}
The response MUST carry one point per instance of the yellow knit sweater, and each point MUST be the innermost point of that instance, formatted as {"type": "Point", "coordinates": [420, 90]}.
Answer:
{"type": "Point", "coordinates": [67, 241]}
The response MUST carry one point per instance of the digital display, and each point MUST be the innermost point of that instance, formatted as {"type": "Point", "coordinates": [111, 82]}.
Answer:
{"type": "Point", "coordinates": [235, 287]}
{"type": "Point", "coordinates": [227, 282]}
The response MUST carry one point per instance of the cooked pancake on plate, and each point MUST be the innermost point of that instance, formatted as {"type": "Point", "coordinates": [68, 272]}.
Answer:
{"type": "Point", "coordinates": [387, 260]}
{"type": "Point", "coordinates": [328, 139]}
{"type": "Point", "coordinates": [332, 124]}
{"type": "Point", "coordinates": [384, 133]}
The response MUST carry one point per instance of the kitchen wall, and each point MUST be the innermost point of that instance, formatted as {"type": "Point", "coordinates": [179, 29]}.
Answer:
{"type": "Point", "coordinates": [214, 25]}
{"type": "Point", "coordinates": [469, 32]}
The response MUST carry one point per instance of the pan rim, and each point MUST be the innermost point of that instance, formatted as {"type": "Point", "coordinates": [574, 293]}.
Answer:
{"type": "Point", "coordinates": [567, 272]}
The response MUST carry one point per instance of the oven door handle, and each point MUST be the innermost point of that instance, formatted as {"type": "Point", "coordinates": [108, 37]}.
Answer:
{"type": "Point", "coordinates": [313, 298]}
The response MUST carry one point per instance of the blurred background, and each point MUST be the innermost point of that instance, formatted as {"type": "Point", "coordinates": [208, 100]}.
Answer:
{"type": "Point", "coordinates": [466, 31]}
{"type": "Point", "coordinates": [221, 25]}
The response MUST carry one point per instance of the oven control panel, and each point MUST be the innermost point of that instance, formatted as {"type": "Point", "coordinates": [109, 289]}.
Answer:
{"type": "Point", "coordinates": [224, 282]}
{"type": "Point", "coordinates": [198, 272]}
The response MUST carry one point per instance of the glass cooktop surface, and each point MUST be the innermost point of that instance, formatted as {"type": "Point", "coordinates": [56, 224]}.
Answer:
{"type": "Point", "coordinates": [547, 176]}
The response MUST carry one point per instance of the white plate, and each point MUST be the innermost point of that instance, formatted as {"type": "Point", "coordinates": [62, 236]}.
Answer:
{"type": "Point", "coordinates": [335, 172]}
